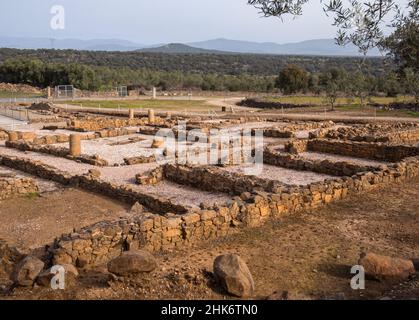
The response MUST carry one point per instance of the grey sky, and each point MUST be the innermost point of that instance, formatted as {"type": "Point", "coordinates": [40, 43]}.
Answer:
{"type": "Point", "coordinates": [158, 21]}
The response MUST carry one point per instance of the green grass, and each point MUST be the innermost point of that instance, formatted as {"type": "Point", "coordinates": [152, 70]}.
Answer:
{"type": "Point", "coordinates": [199, 105]}
{"type": "Point", "coordinates": [32, 195]}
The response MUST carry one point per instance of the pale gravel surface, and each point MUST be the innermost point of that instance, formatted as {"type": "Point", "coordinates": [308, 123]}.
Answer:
{"type": "Point", "coordinates": [126, 175]}
{"type": "Point", "coordinates": [184, 195]}
{"type": "Point", "coordinates": [115, 154]}
{"type": "Point", "coordinates": [336, 158]}
{"type": "Point", "coordinates": [287, 176]}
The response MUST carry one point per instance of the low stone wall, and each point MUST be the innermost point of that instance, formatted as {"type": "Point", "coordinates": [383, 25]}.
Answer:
{"type": "Point", "coordinates": [278, 133]}
{"type": "Point", "coordinates": [374, 151]}
{"type": "Point", "coordinates": [295, 162]}
{"type": "Point", "coordinates": [150, 177]}
{"type": "Point", "coordinates": [57, 152]}
{"type": "Point", "coordinates": [92, 183]}
{"type": "Point", "coordinates": [211, 178]}
{"type": "Point", "coordinates": [101, 123]}
{"type": "Point", "coordinates": [296, 146]}
{"type": "Point", "coordinates": [139, 160]}
{"type": "Point", "coordinates": [4, 135]}
{"type": "Point", "coordinates": [63, 138]}
{"type": "Point", "coordinates": [387, 133]}
{"type": "Point", "coordinates": [103, 241]}
{"type": "Point", "coordinates": [11, 187]}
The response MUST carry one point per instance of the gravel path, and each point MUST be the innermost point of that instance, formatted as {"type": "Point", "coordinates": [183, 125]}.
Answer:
{"type": "Point", "coordinates": [287, 176]}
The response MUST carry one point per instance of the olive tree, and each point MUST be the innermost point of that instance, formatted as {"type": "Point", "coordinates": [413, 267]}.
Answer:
{"type": "Point", "coordinates": [360, 22]}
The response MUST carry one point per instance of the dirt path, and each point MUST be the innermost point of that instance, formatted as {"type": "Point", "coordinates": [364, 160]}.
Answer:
{"type": "Point", "coordinates": [310, 253]}
{"type": "Point", "coordinates": [30, 222]}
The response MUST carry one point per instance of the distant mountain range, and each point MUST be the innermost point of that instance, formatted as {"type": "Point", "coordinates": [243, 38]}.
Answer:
{"type": "Point", "coordinates": [321, 47]}
{"type": "Point", "coordinates": [181, 48]}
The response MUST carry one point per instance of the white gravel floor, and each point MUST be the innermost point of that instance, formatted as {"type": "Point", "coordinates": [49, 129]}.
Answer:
{"type": "Point", "coordinates": [286, 176]}
{"type": "Point", "coordinates": [336, 158]}
{"type": "Point", "coordinates": [115, 154]}
{"type": "Point", "coordinates": [179, 194]}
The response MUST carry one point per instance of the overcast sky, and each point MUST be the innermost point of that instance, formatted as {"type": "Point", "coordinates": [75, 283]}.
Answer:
{"type": "Point", "coordinates": [161, 21]}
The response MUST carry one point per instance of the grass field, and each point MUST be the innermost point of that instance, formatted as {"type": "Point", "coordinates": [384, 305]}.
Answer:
{"type": "Point", "coordinates": [320, 101]}
{"type": "Point", "coordinates": [179, 105]}
{"type": "Point", "coordinates": [8, 94]}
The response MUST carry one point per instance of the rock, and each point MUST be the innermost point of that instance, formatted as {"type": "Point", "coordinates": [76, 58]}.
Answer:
{"type": "Point", "coordinates": [287, 295]}
{"type": "Point", "coordinates": [71, 274]}
{"type": "Point", "coordinates": [95, 173]}
{"type": "Point", "coordinates": [137, 208]}
{"type": "Point", "coordinates": [232, 273]}
{"type": "Point", "coordinates": [386, 268]}
{"type": "Point", "coordinates": [27, 271]}
{"type": "Point", "coordinates": [132, 262]}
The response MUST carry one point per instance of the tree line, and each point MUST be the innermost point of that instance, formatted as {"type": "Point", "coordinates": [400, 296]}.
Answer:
{"type": "Point", "coordinates": [193, 63]}
{"type": "Point", "coordinates": [333, 81]}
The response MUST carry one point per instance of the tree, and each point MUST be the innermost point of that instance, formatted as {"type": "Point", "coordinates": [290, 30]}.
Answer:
{"type": "Point", "coordinates": [411, 81]}
{"type": "Point", "coordinates": [360, 22]}
{"type": "Point", "coordinates": [361, 87]}
{"type": "Point", "coordinates": [292, 79]}
{"type": "Point", "coordinates": [403, 43]}
{"type": "Point", "coordinates": [333, 82]}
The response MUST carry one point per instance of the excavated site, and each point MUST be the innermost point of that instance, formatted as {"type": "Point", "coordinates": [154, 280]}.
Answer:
{"type": "Point", "coordinates": [81, 189]}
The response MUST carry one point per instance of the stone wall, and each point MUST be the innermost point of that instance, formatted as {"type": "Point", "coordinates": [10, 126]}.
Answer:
{"type": "Point", "coordinates": [103, 241]}
{"type": "Point", "coordinates": [11, 187]}
{"type": "Point", "coordinates": [295, 162]}
{"type": "Point", "coordinates": [101, 123]}
{"type": "Point", "coordinates": [61, 152]}
{"type": "Point", "coordinates": [92, 183]}
{"type": "Point", "coordinates": [63, 138]}
{"type": "Point", "coordinates": [212, 178]}
{"type": "Point", "coordinates": [4, 135]}
{"type": "Point", "coordinates": [150, 177]}
{"type": "Point", "coordinates": [388, 133]}
{"type": "Point", "coordinates": [374, 151]}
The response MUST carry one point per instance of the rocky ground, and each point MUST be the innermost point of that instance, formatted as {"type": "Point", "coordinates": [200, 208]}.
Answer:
{"type": "Point", "coordinates": [309, 255]}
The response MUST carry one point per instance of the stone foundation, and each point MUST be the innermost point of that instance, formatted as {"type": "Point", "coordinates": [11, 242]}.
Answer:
{"type": "Point", "coordinates": [373, 151]}
{"type": "Point", "coordinates": [103, 241]}
{"type": "Point", "coordinates": [11, 187]}
{"type": "Point", "coordinates": [57, 152]}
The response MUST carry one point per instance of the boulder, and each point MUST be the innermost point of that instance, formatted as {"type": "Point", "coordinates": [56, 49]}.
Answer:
{"type": "Point", "coordinates": [71, 274]}
{"type": "Point", "coordinates": [386, 268]}
{"type": "Point", "coordinates": [27, 271]}
{"type": "Point", "coordinates": [232, 273]}
{"type": "Point", "coordinates": [131, 262]}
